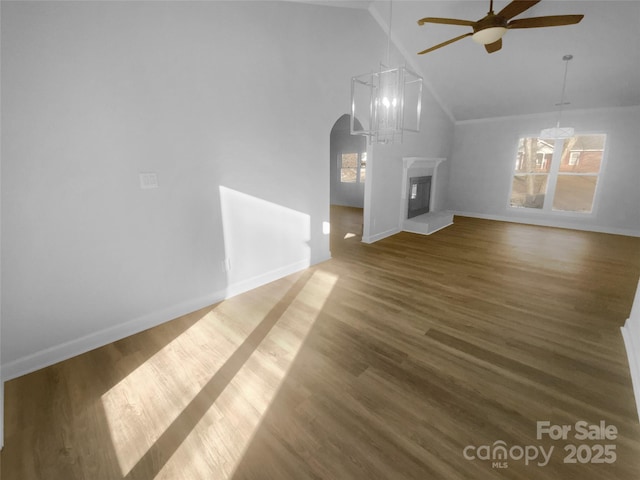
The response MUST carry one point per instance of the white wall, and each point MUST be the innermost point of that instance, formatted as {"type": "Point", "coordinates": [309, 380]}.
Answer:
{"type": "Point", "coordinates": [230, 103]}
{"type": "Point", "coordinates": [631, 335]}
{"type": "Point", "coordinates": [484, 154]}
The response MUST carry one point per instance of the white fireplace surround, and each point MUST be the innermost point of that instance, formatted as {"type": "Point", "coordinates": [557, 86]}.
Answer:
{"type": "Point", "coordinates": [422, 167]}
{"type": "Point", "coordinates": [436, 219]}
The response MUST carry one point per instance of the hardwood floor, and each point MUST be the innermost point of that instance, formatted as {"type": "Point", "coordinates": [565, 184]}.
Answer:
{"type": "Point", "coordinates": [390, 361]}
{"type": "Point", "coordinates": [346, 228]}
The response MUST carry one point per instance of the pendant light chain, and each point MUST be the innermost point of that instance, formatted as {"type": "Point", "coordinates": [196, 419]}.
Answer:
{"type": "Point", "coordinates": [559, 132]}
{"type": "Point", "coordinates": [566, 59]}
{"type": "Point", "coordinates": [389, 35]}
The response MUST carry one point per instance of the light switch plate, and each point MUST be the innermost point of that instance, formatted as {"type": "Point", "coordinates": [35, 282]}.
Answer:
{"type": "Point", "coordinates": [148, 180]}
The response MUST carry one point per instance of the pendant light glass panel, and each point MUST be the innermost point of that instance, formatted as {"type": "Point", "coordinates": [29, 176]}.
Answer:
{"type": "Point", "coordinates": [386, 104]}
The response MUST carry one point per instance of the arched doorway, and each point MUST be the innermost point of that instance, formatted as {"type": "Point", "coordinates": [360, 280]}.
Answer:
{"type": "Point", "coordinates": [348, 170]}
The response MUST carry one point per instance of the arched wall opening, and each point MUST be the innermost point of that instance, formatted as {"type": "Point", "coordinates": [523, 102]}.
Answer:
{"type": "Point", "coordinates": [348, 171]}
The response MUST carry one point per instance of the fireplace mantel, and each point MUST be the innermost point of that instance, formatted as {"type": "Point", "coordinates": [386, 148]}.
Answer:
{"type": "Point", "coordinates": [408, 162]}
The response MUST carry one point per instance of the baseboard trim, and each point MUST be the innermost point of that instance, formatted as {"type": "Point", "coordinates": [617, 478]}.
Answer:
{"type": "Point", "coordinates": [57, 353]}
{"type": "Point", "coordinates": [242, 286]}
{"type": "Point", "coordinates": [634, 362]}
{"type": "Point", "coordinates": [78, 346]}
{"type": "Point", "coordinates": [630, 232]}
{"type": "Point", "coordinates": [380, 236]}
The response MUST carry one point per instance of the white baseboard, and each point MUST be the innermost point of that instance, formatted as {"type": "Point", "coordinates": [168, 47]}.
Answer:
{"type": "Point", "coordinates": [57, 353]}
{"type": "Point", "coordinates": [633, 355]}
{"type": "Point", "coordinates": [249, 284]}
{"type": "Point", "coordinates": [66, 350]}
{"type": "Point", "coordinates": [631, 232]}
{"type": "Point", "coordinates": [380, 236]}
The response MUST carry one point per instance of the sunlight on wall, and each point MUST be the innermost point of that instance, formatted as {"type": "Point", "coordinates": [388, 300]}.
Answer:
{"type": "Point", "coordinates": [218, 378]}
{"type": "Point", "coordinates": [261, 236]}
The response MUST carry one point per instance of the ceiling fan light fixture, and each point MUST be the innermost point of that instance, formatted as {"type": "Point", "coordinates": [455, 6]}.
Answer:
{"type": "Point", "coordinates": [490, 29]}
{"type": "Point", "coordinates": [489, 35]}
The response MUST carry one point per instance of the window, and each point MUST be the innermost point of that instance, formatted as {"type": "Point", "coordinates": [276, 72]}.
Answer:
{"type": "Point", "coordinates": [557, 175]}
{"type": "Point", "coordinates": [353, 167]}
{"type": "Point", "coordinates": [574, 158]}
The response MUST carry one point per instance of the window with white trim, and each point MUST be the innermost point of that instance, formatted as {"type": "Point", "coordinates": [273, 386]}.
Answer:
{"type": "Point", "coordinates": [352, 167]}
{"type": "Point", "coordinates": [557, 175]}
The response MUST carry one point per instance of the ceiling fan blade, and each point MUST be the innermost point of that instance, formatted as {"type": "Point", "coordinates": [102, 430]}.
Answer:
{"type": "Point", "coordinates": [446, 21]}
{"type": "Point", "coordinates": [493, 47]}
{"type": "Point", "coordinates": [516, 8]}
{"type": "Point", "coordinates": [445, 43]}
{"type": "Point", "coordinates": [550, 21]}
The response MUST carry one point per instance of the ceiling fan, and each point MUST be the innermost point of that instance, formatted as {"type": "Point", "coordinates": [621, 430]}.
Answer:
{"type": "Point", "coordinates": [490, 29]}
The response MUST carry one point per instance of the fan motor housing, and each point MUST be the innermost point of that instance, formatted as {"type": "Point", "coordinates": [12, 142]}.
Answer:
{"type": "Point", "coordinates": [490, 21]}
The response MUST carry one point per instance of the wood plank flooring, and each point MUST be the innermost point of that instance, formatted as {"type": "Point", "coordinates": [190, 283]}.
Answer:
{"type": "Point", "coordinates": [385, 362]}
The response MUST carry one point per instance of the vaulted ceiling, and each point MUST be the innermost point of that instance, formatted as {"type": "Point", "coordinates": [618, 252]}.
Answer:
{"type": "Point", "coordinates": [526, 75]}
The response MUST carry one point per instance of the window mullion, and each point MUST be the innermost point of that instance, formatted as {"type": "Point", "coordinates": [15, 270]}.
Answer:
{"type": "Point", "coordinates": [552, 179]}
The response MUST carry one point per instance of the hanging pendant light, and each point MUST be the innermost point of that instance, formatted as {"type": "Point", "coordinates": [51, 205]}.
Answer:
{"type": "Point", "coordinates": [559, 132]}
{"type": "Point", "coordinates": [386, 103]}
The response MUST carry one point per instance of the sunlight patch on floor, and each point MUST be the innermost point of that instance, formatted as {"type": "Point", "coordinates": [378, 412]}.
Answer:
{"type": "Point", "coordinates": [225, 432]}
{"type": "Point", "coordinates": [144, 405]}
{"type": "Point", "coordinates": [134, 427]}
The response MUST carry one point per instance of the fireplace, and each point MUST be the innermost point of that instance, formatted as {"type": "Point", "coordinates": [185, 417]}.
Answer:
{"type": "Point", "coordinates": [419, 196]}
{"type": "Point", "coordinates": [421, 206]}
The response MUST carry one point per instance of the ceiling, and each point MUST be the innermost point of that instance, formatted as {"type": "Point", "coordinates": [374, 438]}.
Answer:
{"type": "Point", "coordinates": [525, 77]}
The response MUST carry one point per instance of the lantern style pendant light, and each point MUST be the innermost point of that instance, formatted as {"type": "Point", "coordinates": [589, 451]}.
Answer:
{"type": "Point", "coordinates": [386, 103]}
